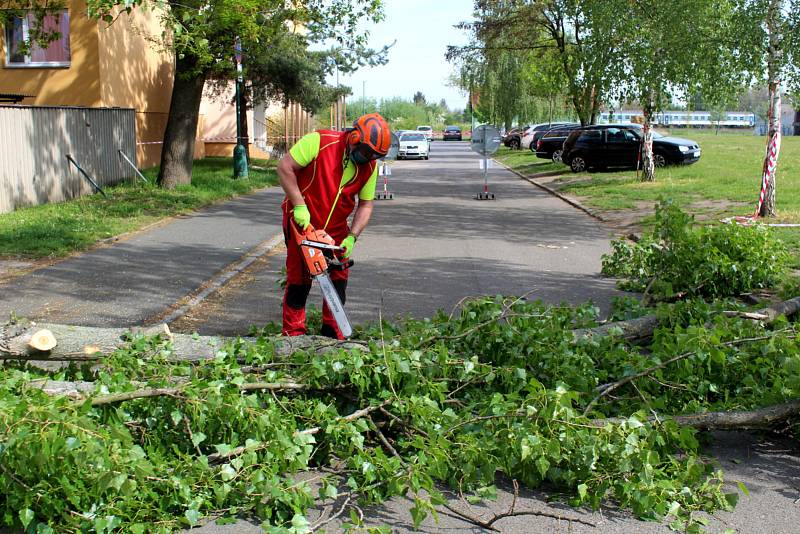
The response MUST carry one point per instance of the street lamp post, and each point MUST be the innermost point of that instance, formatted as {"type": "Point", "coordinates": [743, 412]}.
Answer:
{"type": "Point", "coordinates": [239, 151]}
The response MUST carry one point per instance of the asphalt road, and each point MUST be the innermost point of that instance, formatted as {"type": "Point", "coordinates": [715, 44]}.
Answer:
{"type": "Point", "coordinates": [434, 244]}
{"type": "Point", "coordinates": [136, 280]}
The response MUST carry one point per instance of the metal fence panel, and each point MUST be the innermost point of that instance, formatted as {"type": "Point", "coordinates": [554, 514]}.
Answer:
{"type": "Point", "coordinates": [35, 142]}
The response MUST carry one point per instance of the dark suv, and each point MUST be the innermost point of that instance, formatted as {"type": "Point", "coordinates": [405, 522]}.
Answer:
{"type": "Point", "coordinates": [619, 145]}
{"type": "Point", "coordinates": [551, 143]}
{"type": "Point", "coordinates": [542, 129]}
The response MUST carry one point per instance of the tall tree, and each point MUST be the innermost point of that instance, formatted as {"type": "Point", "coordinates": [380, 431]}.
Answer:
{"type": "Point", "coordinates": [680, 50]}
{"type": "Point", "coordinates": [770, 38]}
{"type": "Point", "coordinates": [201, 34]}
{"type": "Point", "coordinates": [419, 98]}
{"type": "Point", "coordinates": [577, 37]}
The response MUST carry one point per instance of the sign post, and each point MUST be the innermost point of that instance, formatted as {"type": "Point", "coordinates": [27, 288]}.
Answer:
{"type": "Point", "coordinates": [485, 141]}
{"type": "Point", "coordinates": [239, 151]}
{"type": "Point", "coordinates": [385, 170]}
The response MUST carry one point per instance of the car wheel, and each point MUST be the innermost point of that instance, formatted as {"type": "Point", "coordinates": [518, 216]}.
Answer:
{"type": "Point", "coordinates": [514, 144]}
{"type": "Point", "coordinates": [659, 160]}
{"type": "Point", "coordinates": [557, 156]}
{"type": "Point", "coordinates": [578, 164]}
{"type": "Point", "coordinates": [426, 157]}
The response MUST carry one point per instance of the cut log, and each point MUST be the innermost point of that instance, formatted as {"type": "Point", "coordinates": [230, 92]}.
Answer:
{"type": "Point", "coordinates": [42, 340]}
{"type": "Point", "coordinates": [82, 343]}
{"type": "Point", "coordinates": [642, 328]}
{"type": "Point", "coordinates": [632, 330]}
{"type": "Point", "coordinates": [759, 419]}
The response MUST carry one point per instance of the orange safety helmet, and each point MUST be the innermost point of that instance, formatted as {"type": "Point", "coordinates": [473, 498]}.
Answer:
{"type": "Point", "coordinates": [373, 131]}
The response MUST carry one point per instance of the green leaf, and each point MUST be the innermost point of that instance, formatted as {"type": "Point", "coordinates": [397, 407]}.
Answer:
{"type": "Point", "coordinates": [582, 488]}
{"type": "Point", "coordinates": [177, 416]}
{"type": "Point", "coordinates": [542, 465]}
{"type": "Point", "coordinates": [25, 517]}
{"type": "Point", "coordinates": [418, 514]}
{"type": "Point", "coordinates": [743, 489]}
{"type": "Point", "coordinates": [526, 450]}
{"type": "Point", "coordinates": [300, 524]}
{"type": "Point", "coordinates": [198, 438]}
{"type": "Point", "coordinates": [192, 516]}
{"type": "Point", "coordinates": [227, 472]}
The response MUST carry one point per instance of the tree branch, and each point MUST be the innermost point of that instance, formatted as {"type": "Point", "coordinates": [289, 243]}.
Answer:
{"type": "Point", "coordinates": [605, 389]}
{"type": "Point", "coordinates": [758, 419]}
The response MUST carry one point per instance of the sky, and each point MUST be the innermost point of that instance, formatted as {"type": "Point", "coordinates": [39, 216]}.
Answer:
{"type": "Point", "coordinates": [422, 29]}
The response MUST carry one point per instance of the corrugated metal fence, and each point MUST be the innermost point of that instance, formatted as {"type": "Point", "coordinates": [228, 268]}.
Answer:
{"type": "Point", "coordinates": [35, 142]}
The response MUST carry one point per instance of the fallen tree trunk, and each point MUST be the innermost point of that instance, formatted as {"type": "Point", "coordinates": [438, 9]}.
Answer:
{"type": "Point", "coordinates": [759, 419]}
{"type": "Point", "coordinates": [642, 328]}
{"type": "Point", "coordinates": [82, 343]}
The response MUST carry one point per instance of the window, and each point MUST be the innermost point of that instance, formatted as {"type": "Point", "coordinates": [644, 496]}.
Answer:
{"type": "Point", "coordinates": [54, 54]}
{"type": "Point", "coordinates": [590, 135]}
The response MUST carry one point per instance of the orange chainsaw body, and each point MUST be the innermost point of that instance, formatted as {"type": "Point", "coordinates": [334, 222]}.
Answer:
{"type": "Point", "coordinates": [313, 256]}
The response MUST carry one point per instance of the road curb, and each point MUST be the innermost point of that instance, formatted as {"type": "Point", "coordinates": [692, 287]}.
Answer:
{"type": "Point", "coordinates": [216, 282]}
{"type": "Point", "coordinates": [572, 202]}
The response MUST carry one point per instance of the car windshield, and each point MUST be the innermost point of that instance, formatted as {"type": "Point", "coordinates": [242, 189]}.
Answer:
{"type": "Point", "coordinates": [424, 128]}
{"type": "Point", "coordinates": [412, 137]}
{"type": "Point", "coordinates": [452, 129]}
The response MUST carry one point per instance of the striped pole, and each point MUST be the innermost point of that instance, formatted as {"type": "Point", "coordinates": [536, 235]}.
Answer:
{"type": "Point", "coordinates": [771, 161]}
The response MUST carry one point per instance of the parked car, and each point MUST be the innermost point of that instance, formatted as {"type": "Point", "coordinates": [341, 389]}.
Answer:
{"type": "Point", "coordinates": [536, 131]}
{"type": "Point", "coordinates": [452, 132]}
{"type": "Point", "coordinates": [550, 145]}
{"type": "Point", "coordinates": [427, 130]}
{"type": "Point", "coordinates": [612, 145]}
{"type": "Point", "coordinates": [513, 139]}
{"type": "Point", "coordinates": [413, 145]}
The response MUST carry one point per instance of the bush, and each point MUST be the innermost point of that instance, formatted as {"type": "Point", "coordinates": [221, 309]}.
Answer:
{"type": "Point", "coordinates": [709, 261]}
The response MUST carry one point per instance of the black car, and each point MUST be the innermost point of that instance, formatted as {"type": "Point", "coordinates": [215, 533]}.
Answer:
{"type": "Point", "coordinates": [452, 133]}
{"type": "Point", "coordinates": [541, 129]}
{"type": "Point", "coordinates": [551, 143]}
{"type": "Point", "coordinates": [619, 145]}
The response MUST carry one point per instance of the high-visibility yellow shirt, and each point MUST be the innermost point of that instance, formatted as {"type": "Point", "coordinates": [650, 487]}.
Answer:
{"type": "Point", "coordinates": [306, 150]}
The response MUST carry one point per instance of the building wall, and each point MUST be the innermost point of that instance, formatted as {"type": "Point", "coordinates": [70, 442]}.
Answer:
{"type": "Point", "coordinates": [219, 133]}
{"type": "Point", "coordinates": [76, 85]}
{"type": "Point", "coordinates": [135, 73]}
{"type": "Point", "coordinates": [119, 65]}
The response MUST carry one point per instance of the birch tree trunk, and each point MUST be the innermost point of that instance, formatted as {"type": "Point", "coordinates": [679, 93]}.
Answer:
{"type": "Point", "coordinates": [767, 204]}
{"type": "Point", "coordinates": [648, 165]}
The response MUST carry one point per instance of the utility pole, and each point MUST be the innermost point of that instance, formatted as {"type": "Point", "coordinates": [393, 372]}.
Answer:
{"type": "Point", "coordinates": [364, 97]}
{"type": "Point", "coordinates": [239, 151]}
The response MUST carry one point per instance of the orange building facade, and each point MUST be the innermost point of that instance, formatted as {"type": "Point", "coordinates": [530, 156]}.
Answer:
{"type": "Point", "coordinates": [94, 64]}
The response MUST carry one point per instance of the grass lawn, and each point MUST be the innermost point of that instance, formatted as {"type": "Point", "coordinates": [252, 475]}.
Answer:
{"type": "Point", "coordinates": [56, 230]}
{"type": "Point", "coordinates": [725, 182]}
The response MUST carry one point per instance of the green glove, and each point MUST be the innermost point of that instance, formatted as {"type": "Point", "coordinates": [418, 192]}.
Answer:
{"type": "Point", "coordinates": [348, 243]}
{"type": "Point", "coordinates": [301, 216]}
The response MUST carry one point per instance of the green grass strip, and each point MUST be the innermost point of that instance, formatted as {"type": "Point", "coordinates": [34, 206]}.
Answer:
{"type": "Point", "coordinates": [59, 229]}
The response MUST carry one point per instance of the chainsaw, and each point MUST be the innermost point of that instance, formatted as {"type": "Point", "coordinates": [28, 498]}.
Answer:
{"type": "Point", "coordinates": [317, 248]}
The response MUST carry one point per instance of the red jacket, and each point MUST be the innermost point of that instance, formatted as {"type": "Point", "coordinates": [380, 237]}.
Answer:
{"type": "Point", "coordinates": [329, 203]}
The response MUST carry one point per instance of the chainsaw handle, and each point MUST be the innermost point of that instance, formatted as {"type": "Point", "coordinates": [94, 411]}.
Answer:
{"type": "Point", "coordinates": [336, 265]}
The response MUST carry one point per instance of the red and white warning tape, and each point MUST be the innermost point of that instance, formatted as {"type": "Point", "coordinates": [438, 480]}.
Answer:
{"type": "Point", "coordinates": [773, 148]}
{"type": "Point", "coordinates": [210, 139]}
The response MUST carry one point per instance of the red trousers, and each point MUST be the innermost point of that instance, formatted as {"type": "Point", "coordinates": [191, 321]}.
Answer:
{"type": "Point", "coordinates": [298, 285]}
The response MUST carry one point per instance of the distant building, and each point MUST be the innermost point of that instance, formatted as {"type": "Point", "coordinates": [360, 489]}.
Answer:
{"type": "Point", "coordinates": [684, 119]}
{"type": "Point", "coordinates": [790, 122]}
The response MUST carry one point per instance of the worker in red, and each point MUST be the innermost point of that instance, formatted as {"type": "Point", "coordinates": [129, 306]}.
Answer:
{"type": "Point", "coordinates": [322, 175]}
